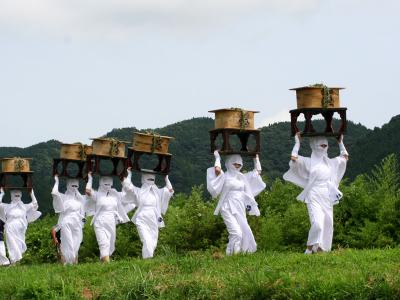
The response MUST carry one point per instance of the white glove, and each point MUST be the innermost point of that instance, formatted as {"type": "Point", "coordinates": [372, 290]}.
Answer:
{"type": "Point", "coordinates": [217, 159]}
{"type": "Point", "coordinates": [1, 194]}
{"type": "Point", "coordinates": [342, 148]}
{"type": "Point", "coordinates": [257, 164]}
{"type": "Point", "coordinates": [89, 184]}
{"type": "Point", "coordinates": [296, 148]}
{"type": "Point", "coordinates": [128, 178]}
{"type": "Point", "coordinates": [168, 183]}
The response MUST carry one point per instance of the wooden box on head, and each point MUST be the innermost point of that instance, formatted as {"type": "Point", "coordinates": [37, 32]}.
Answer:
{"type": "Point", "coordinates": [107, 149]}
{"type": "Point", "coordinates": [72, 154]}
{"type": "Point", "coordinates": [11, 169]}
{"type": "Point", "coordinates": [235, 122]}
{"type": "Point", "coordinates": [150, 144]}
{"type": "Point", "coordinates": [318, 99]}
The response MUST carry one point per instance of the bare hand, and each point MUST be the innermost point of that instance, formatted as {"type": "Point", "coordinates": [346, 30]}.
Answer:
{"type": "Point", "coordinates": [217, 171]}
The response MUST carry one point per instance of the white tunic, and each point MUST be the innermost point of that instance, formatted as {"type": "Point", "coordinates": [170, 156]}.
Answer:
{"type": "Point", "coordinates": [108, 211]}
{"type": "Point", "coordinates": [236, 193]}
{"type": "Point", "coordinates": [319, 176]}
{"type": "Point", "coordinates": [17, 215]}
{"type": "Point", "coordinates": [71, 207]}
{"type": "Point", "coordinates": [152, 203]}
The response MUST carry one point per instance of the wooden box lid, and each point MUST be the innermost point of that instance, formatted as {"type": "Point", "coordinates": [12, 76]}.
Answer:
{"type": "Point", "coordinates": [76, 151]}
{"type": "Point", "coordinates": [151, 143]}
{"type": "Point", "coordinates": [317, 96]}
{"type": "Point", "coordinates": [234, 118]}
{"type": "Point", "coordinates": [15, 165]}
{"type": "Point", "coordinates": [108, 147]}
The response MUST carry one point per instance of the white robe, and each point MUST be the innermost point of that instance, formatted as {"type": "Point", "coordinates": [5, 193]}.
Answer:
{"type": "Point", "coordinates": [320, 178]}
{"type": "Point", "coordinates": [16, 216]}
{"type": "Point", "coordinates": [108, 211]}
{"type": "Point", "coordinates": [71, 207]}
{"type": "Point", "coordinates": [236, 196]}
{"type": "Point", "coordinates": [152, 202]}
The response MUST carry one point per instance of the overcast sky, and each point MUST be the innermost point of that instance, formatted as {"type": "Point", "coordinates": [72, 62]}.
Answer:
{"type": "Point", "coordinates": [75, 69]}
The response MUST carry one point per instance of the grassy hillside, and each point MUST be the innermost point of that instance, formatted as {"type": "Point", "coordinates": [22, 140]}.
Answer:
{"type": "Point", "coordinates": [343, 274]}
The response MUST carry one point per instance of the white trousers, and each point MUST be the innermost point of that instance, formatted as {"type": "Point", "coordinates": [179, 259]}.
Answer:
{"type": "Point", "coordinates": [105, 229]}
{"type": "Point", "coordinates": [147, 226]}
{"type": "Point", "coordinates": [321, 218]}
{"type": "Point", "coordinates": [241, 238]}
{"type": "Point", "coordinates": [15, 238]}
{"type": "Point", "coordinates": [71, 239]}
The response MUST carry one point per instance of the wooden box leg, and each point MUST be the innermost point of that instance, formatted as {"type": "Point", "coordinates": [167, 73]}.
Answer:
{"type": "Point", "coordinates": [294, 116]}
{"type": "Point", "coordinates": [213, 138]}
{"type": "Point", "coordinates": [328, 116]}
{"type": "Point", "coordinates": [308, 127]}
{"type": "Point", "coordinates": [244, 139]}
{"type": "Point", "coordinates": [343, 124]}
{"type": "Point", "coordinates": [136, 159]}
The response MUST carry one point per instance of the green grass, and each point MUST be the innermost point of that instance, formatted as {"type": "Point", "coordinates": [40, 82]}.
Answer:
{"type": "Point", "coordinates": [343, 274]}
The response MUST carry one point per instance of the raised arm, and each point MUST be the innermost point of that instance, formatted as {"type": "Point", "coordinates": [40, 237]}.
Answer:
{"type": "Point", "coordinates": [343, 151]}
{"type": "Point", "coordinates": [257, 164]}
{"type": "Point", "coordinates": [89, 185]}
{"type": "Point", "coordinates": [217, 164]}
{"type": "Point", "coordinates": [168, 184]}
{"type": "Point", "coordinates": [296, 148]}
{"type": "Point", "coordinates": [34, 200]}
{"type": "Point", "coordinates": [1, 194]}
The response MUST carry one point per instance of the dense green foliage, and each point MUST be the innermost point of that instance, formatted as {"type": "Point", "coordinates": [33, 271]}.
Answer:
{"type": "Point", "coordinates": [344, 274]}
{"type": "Point", "coordinates": [367, 217]}
{"type": "Point", "coordinates": [191, 152]}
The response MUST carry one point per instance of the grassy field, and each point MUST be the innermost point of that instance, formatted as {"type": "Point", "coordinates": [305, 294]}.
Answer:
{"type": "Point", "coordinates": [342, 274]}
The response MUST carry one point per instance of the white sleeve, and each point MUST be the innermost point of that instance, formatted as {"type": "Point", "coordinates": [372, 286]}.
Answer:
{"type": "Point", "coordinates": [165, 195]}
{"type": "Point", "coordinates": [256, 184]}
{"type": "Point", "coordinates": [58, 204]}
{"type": "Point", "coordinates": [299, 171]}
{"type": "Point", "coordinates": [215, 183]}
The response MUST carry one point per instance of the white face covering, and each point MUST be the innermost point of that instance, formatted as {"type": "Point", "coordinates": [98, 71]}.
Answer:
{"type": "Point", "coordinates": [105, 183]}
{"type": "Point", "coordinates": [148, 179]}
{"type": "Point", "coordinates": [16, 196]}
{"type": "Point", "coordinates": [319, 153]}
{"type": "Point", "coordinates": [230, 162]}
{"type": "Point", "coordinates": [72, 185]}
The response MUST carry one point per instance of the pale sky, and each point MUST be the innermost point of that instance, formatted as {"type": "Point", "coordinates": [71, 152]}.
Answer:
{"type": "Point", "coordinates": [75, 69]}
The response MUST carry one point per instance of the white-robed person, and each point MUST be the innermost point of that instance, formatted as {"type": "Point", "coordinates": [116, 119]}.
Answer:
{"type": "Point", "coordinates": [16, 216]}
{"type": "Point", "coordinates": [319, 176]}
{"type": "Point", "coordinates": [71, 207]}
{"type": "Point", "coordinates": [107, 209]}
{"type": "Point", "coordinates": [3, 255]}
{"type": "Point", "coordinates": [152, 203]}
{"type": "Point", "coordinates": [237, 192]}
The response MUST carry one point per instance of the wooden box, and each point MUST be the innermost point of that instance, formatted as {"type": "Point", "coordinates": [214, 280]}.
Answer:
{"type": "Point", "coordinates": [75, 151]}
{"type": "Point", "coordinates": [234, 118]}
{"type": "Point", "coordinates": [317, 97]}
{"type": "Point", "coordinates": [108, 147]}
{"type": "Point", "coordinates": [150, 143]}
{"type": "Point", "coordinates": [15, 165]}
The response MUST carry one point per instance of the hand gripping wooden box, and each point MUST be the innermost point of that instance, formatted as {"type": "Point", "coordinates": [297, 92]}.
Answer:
{"type": "Point", "coordinates": [16, 167]}
{"type": "Point", "coordinates": [314, 100]}
{"type": "Point", "coordinates": [235, 122]}
{"type": "Point", "coordinates": [149, 144]}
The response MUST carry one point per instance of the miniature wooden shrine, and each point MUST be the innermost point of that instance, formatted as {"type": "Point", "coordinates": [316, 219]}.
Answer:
{"type": "Point", "coordinates": [318, 100]}
{"type": "Point", "coordinates": [71, 154]}
{"type": "Point", "coordinates": [235, 122]}
{"type": "Point", "coordinates": [148, 144]}
{"type": "Point", "coordinates": [11, 168]}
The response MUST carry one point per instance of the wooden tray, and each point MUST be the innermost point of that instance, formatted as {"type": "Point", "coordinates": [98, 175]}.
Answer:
{"type": "Point", "coordinates": [108, 147]}
{"type": "Point", "coordinates": [75, 151]}
{"type": "Point", "coordinates": [234, 118]}
{"type": "Point", "coordinates": [15, 165]}
{"type": "Point", "coordinates": [151, 143]}
{"type": "Point", "coordinates": [313, 97]}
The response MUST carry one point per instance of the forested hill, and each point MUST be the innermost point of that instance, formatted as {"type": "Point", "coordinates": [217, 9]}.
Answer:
{"type": "Point", "coordinates": [192, 155]}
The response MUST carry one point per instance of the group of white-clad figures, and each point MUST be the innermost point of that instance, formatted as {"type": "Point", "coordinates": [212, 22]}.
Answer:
{"type": "Point", "coordinates": [318, 175]}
